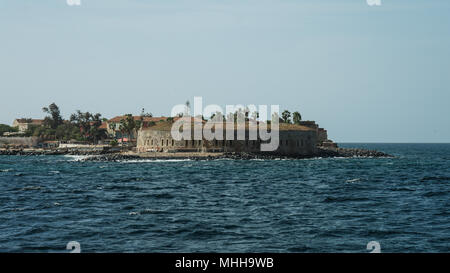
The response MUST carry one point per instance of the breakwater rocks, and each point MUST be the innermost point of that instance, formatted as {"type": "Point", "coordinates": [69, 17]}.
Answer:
{"type": "Point", "coordinates": [112, 157]}
{"type": "Point", "coordinates": [349, 152]}
{"type": "Point", "coordinates": [49, 152]}
{"type": "Point", "coordinates": [323, 152]}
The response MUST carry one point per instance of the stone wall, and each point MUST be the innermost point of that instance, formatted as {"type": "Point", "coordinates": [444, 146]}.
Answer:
{"type": "Point", "coordinates": [19, 141]}
{"type": "Point", "coordinates": [322, 135]}
{"type": "Point", "coordinates": [291, 142]}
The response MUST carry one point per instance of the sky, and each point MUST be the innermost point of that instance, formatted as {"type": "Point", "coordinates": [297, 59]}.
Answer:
{"type": "Point", "coordinates": [365, 73]}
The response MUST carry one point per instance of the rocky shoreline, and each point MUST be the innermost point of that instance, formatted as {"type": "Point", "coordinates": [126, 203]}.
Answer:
{"type": "Point", "coordinates": [322, 152]}
{"type": "Point", "coordinates": [50, 152]}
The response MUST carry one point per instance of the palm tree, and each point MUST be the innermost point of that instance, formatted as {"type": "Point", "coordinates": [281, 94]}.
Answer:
{"type": "Point", "coordinates": [297, 118]}
{"type": "Point", "coordinates": [129, 125]}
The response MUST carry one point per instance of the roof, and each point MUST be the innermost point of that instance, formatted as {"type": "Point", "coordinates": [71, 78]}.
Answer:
{"type": "Point", "coordinates": [136, 118]}
{"type": "Point", "coordinates": [30, 121]}
{"type": "Point", "coordinates": [167, 126]}
{"type": "Point", "coordinates": [103, 126]}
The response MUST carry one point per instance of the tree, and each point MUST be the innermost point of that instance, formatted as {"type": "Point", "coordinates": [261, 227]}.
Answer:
{"type": "Point", "coordinates": [68, 131]}
{"type": "Point", "coordinates": [88, 125]}
{"type": "Point", "coordinates": [95, 132]}
{"type": "Point", "coordinates": [54, 119]}
{"type": "Point", "coordinates": [286, 116]}
{"type": "Point", "coordinates": [129, 125]}
{"type": "Point", "coordinates": [297, 118]}
{"type": "Point", "coordinates": [6, 128]}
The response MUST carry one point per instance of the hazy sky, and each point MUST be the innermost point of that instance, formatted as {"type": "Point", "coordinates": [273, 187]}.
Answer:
{"type": "Point", "coordinates": [368, 74]}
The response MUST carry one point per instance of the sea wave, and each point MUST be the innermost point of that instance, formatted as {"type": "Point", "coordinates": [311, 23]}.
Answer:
{"type": "Point", "coordinates": [152, 160]}
{"type": "Point", "coordinates": [76, 158]}
{"type": "Point", "coordinates": [353, 180]}
{"type": "Point", "coordinates": [145, 211]}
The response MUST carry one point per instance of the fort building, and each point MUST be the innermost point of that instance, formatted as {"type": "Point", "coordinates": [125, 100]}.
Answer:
{"type": "Point", "coordinates": [293, 140]}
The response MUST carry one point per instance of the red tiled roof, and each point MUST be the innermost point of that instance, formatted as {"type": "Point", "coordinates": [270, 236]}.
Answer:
{"type": "Point", "coordinates": [103, 126]}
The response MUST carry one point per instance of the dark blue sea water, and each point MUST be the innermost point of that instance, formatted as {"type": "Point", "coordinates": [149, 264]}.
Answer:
{"type": "Point", "coordinates": [311, 205]}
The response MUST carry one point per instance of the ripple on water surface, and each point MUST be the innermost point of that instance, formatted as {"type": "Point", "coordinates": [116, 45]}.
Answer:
{"type": "Point", "coordinates": [311, 205]}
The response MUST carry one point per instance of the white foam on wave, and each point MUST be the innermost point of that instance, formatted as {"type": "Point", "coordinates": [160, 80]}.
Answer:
{"type": "Point", "coordinates": [153, 160]}
{"type": "Point", "coordinates": [6, 170]}
{"type": "Point", "coordinates": [145, 211]}
{"type": "Point", "coordinates": [76, 158]}
{"type": "Point", "coordinates": [353, 180]}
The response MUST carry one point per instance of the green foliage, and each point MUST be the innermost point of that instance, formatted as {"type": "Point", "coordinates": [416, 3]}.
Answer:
{"type": "Point", "coordinates": [88, 125]}
{"type": "Point", "coordinates": [114, 143]}
{"type": "Point", "coordinates": [81, 126]}
{"type": "Point", "coordinates": [68, 131]}
{"type": "Point", "coordinates": [6, 128]}
{"type": "Point", "coordinates": [286, 116]}
{"type": "Point", "coordinates": [128, 125]}
{"type": "Point", "coordinates": [297, 117]}
{"type": "Point", "coordinates": [54, 119]}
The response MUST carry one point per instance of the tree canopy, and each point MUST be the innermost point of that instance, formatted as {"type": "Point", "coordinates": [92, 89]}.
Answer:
{"type": "Point", "coordinates": [6, 128]}
{"type": "Point", "coordinates": [54, 118]}
{"type": "Point", "coordinates": [297, 118]}
{"type": "Point", "coordinates": [81, 126]}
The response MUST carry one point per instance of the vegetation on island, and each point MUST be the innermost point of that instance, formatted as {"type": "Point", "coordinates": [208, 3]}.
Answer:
{"type": "Point", "coordinates": [6, 128]}
{"type": "Point", "coordinates": [246, 114]}
{"type": "Point", "coordinates": [86, 126]}
{"type": "Point", "coordinates": [82, 126]}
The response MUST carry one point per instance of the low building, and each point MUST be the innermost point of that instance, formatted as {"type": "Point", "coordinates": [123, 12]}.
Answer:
{"type": "Point", "coordinates": [113, 129]}
{"type": "Point", "coordinates": [24, 123]}
{"type": "Point", "coordinates": [293, 140]}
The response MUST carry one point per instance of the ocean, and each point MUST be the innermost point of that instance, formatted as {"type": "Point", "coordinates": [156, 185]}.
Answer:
{"type": "Point", "coordinates": [307, 205]}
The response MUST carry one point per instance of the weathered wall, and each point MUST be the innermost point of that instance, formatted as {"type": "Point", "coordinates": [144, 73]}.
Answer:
{"type": "Point", "coordinates": [322, 135]}
{"type": "Point", "coordinates": [19, 141]}
{"type": "Point", "coordinates": [291, 142]}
